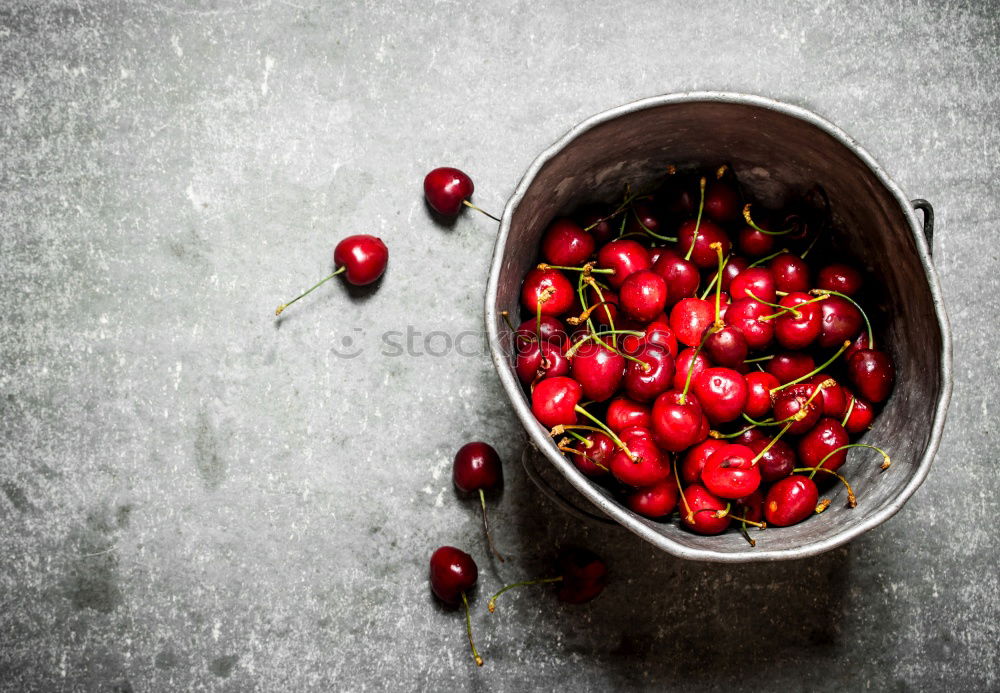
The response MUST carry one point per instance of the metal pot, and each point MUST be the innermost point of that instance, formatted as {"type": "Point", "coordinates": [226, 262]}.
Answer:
{"type": "Point", "coordinates": [774, 148]}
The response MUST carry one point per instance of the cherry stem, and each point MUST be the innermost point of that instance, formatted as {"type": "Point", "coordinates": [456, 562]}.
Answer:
{"type": "Point", "coordinates": [886, 461]}
{"type": "Point", "coordinates": [814, 371]}
{"type": "Point", "coordinates": [584, 455]}
{"type": "Point", "coordinates": [822, 505]}
{"type": "Point", "coordinates": [624, 205]}
{"type": "Point", "coordinates": [780, 307]}
{"type": "Point", "coordinates": [649, 230]}
{"type": "Point", "coordinates": [852, 500]}
{"type": "Point", "coordinates": [483, 211]}
{"type": "Point", "coordinates": [309, 291]}
{"type": "Point", "coordinates": [492, 603]}
{"type": "Point", "coordinates": [717, 247]}
{"type": "Point", "coordinates": [717, 435]}
{"type": "Point", "coordinates": [600, 297]}
{"type": "Point", "coordinates": [583, 303]}
{"type": "Point", "coordinates": [690, 515]}
{"type": "Point", "coordinates": [759, 358]}
{"type": "Point", "coordinates": [697, 223]}
{"type": "Point", "coordinates": [828, 292]}
{"type": "Point", "coordinates": [611, 434]}
{"type": "Point", "coordinates": [762, 260]}
{"type": "Point", "coordinates": [506, 318]}
{"type": "Point", "coordinates": [752, 225]}
{"type": "Point", "coordinates": [773, 441]}
{"type": "Point", "coordinates": [596, 336]}
{"type": "Point", "coordinates": [588, 268]}
{"type": "Point", "coordinates": [486, 527]}
{"type": "Point", "coordinates": [850, 409]}
{"type": "Point", "coordinates": [694, 357]}
{"type": "Point", "coordinates": [768, 422]}
{"type": "Point", "coordinates": [791, 309]}
{"type": "Point", "coordinates": [745, 521]}
{"type": "Point", "coordinates": [582, 439]}
{"type": "Point", "coordinates": [810, 247]}
{"type": "Point", "coordinates": [468, 629]}
{"type": "Point", "coordinates": [746, 535]}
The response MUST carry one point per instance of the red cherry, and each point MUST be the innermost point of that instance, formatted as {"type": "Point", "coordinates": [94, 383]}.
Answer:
{"type": "Point", "coordinates": [730, 472]}
{"type": "Point", "coordinates": [754, 243]}
{"type": "Point", "coordinates": [683, 365]}
{"type": "Point", "coordinates": [790, 401]}
{"type": "Point", "coordinates": [644, 218]}
{"type": "Point", "coordinates": [566, 243]}
{"type": "Point", "coordinates": [476, 467]}
{"type": "Point", "coordinates": [624, 256]}
{"type": "Point", "coordinates": [453, 572]}
{"type": "Point", "coordinates": [446, 189]}
{"type": "Point", "coordinates": [704, 255]}
{"type": "Point", "coordinates": [759, 386]}
{"type": "Point", "coordinates": [819, 441]}
{"type": "Point", "coordinates": [593, 461]}
{"type": "Point", "coordinates": [722, 202]}
{"type": "Point", "coordinates": [360, 258]}
{"type": "Point", "coordinates": [551, 330]}
{"type": "Point", "coordinates": [657, 333]}
{"type": "Point", "coordinates": [861, 416]}
{"type": "Point", "coordinates": [840, 321]}
{"type": "Point", "coordinates": [677, 425]}
{"type": "Point", "coordinates": [595, 218]}
{"type": "Point", "coordinates": [721, 392]}
{"type": "Point", "coordinates": [757, 281]}
{"type": "Point", "coordinates": [554, 400]}
{"type": "Point", "coordinates": [872, 374]}
{"type": "Point", "coordinates": [726, 346]}
{"type": "Point", "coordinates": [539, 283]}
{"type": "Point", "coordinates": [748, 436]}
{"type": "Point", "coordinates": [787, 366]}
{"type": "Point", "coordinates": [624, 413]}
{"type": "Point", "coordinates": [656, 501]}
{"type": "Point", "coordinates": [745, 315]}
{"type": "Point", "coordinates": [536, 361]}
{"type": "Point", "coordinates": [791, 273]}
{"type": "Point", "coordinates": [646, 385]}
{"type": "Point", "coordinates": [798, 332]}
{"type": "Point", "coordinates": [681, 276]}
{"type": "Point", "coordinates": [859, 343]}
{"type": "Point", "coordinates": [753, 506]}
{"type": "Point", "coordinates": [598, 370]}
{"type": "Point", "coordinates": [584, 576]}
{"type": "Point", "coordinates": [778, 462]}
{"type": "Point", "coordinates": [696, 457]}
{"type": "Point", "coordinates": [643, 295]}
{"type": "Point", "coordinates": [703, 507]}
{"type": "Point", "coordinates": [735, 266]}
{"type": "Point", "coordinates": [839, 277]}
{"type": "Point", "coordinates": [834, 396]}
{"type": "Point", "coordinates": [790, 500]}
{"type": "Point", "coordinates": [689, 318]}
{"type": "Point", "coordinates": [647, 465]}
{"type": "Point", "coordinates": [605, 314]}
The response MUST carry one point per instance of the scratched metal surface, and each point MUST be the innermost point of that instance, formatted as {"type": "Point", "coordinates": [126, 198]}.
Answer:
{"type": "Point", "coordinates": [195, 496]}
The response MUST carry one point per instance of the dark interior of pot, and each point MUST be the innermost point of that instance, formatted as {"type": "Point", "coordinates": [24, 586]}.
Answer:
{"type": "Point", "coordinates": [774, 155]}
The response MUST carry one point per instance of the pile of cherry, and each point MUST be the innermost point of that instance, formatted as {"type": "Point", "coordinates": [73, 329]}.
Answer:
{"type": "Point", "coordinates": [701, 354]}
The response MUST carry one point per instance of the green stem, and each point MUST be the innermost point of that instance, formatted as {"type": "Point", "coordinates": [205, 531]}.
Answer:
{"type": "Point", "coordinates": [852, 500]}
{"type": "Point", "coordinates": [486, 527]}
{"type": "Point", "coordinates": [468, 629]}
{"type": "Point", "coordinates": [482, 211]}
{"type": "Point", "coordinates": [886, 461]}
{"type": "Point", "coordinates": [791, 309]}
{"type": "Point", "coordinates": [825, 292]}
{"type": "Point", "coordinates": [611, 434]}
{"type": "Point", "coordinates": [780, 307]}
{"type": "Point", "coordinates": [850, 409]}
{"type": "Point", "coordinates": [818, 369]}
{"type": "Point", "coordinates": [649, 230]}
{"type": "Point", "coordinates": [585, 268]}
{"type": "Point", "coordinates": [310, 290]}
{"type": "Point", "coordinates": [697, 223]}
{"type": "Point", "coordinates": [759, 358]}
{"type": "Point", "coordinates": [492, 603]}
{"type": "Point", "coordinates": [767, 258]}
{"type": "Point", "coordinates": [752, 225]}
{"type": "Point", "coordinates": [694, 357]}
{"type": "Point", "coordinates": [773, 441]}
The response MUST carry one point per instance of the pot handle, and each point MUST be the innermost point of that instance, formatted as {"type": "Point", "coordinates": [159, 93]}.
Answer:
{"type": "Point", "coordinates": [528, 457]}
{"type": "Point", "coordinates": [925, 207]}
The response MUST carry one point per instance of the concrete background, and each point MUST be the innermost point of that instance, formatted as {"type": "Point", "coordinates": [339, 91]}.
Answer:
{"type": "Point", "coordinates": [196, 496]}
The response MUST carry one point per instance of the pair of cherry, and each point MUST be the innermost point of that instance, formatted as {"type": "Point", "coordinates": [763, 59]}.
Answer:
{"type": "Point", "coordinates": [580, 574]}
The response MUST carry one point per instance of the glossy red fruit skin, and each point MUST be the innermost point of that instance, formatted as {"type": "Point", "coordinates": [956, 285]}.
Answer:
{"type": "Point", "coordinates": [756, 280]}
{"type": "Point", "coordinates": [677, 425]}
{"type": "Point", "coordinates": [682, 364]}
{"type": "Point", "coordinates": [791, 273]}
{"type": "Point", "coordinates": [689, 318]}
{"type": "Point", "coordinates": [553, 401]}
{"type": "Point", "coordinates": [859, 343]}
{"type": "Point", "coordinates": [591, 218]}
{"type": "Point", "coordinates": [752, 506]}
{"type": "Point", "coordinates": [722, 394]}
{"type": "Point", "coordinates": [476, 466]}
{"type": "Point", "coordinates": [729, 473]}
{"type": "Point", "coordinates": [598, 370]}
{"type": "Point", "coordinates": [365, 258]}
{"type": "Point", "coordinates": [695, 458]}
{"type": "Point", "coordinates": [840, 322]}
{"type": "Point", "coordinates": [753, 242]}
{"type": "Point", "coordinates": [657, 333]}
{"type": "Point", "coordinates": [645, 386]}
{"type": "Point", "coordinates": [537, 281]}
{"type": "Point", "coordinates": [643, 295]}
{"type": "Point", "coordinates": [820, 440]}
{"type": "Point", "coordinates": [778, 462]}
{"type": "Point", "coordinates": [839, 277]}
{"type": "Point", "coordinates": [748, 436]}
{"type": "Point", "coordinates": [625, 413]}
{"type": "Point", "coordinates": [735, 266]}
{"type": "Point", "coordinates": [861, 417]}
{"type": "Point", "coordinates": [605, 314]}
{"type": "Point", "coordinates": [566, 243]}
{"type": "Point", "coordinates": [452, 572]}
{"type": "Point", "coordinates": [759, 386]}
{"type": "Point", "coordinates": [550, 359]}
{"type": "Point", "coordinates": [446, 188]}
{"type": "Point", "coordinates": [648, 465]}
{"type": "Point", "coordinates": [697, 498]}
{"type": "Point", "coordinates": [593, 461]}
{"type": "Point", "coordinates": [835, 397]}
{"type": "Point", "coordinates": [681, 275]}
{"type": "Point", "coordinates": [656, 501]}
{"type": "Point", "coordinates": [703, 255]}
{"type": "Point", "coordinates": [788, 402]}
{"type": "Point", "coordinates": [726, 346]}
{"type": "Point", "coordinates": [798, 332]}
{"type": "Point", "coordinates": [744, 315]}
{"type": "Point", "coordinates": [624, 256]}
{"type": "Point", "coordinates": [551, 330]}
{"type": "Point", "coordinates": [790, 501]}
{"type": "Point", "coordinates": [787, 366]}
{"type": "Point", "coordinates": [722, 202]}
{"type": "Point", "coordinates": [872, 374]}
{"type": "Point", "coordinates": [584, 576]}
{"type": "Point", "coordinates": [644, 217]}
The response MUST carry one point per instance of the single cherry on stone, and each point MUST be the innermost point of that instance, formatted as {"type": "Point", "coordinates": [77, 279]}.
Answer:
{"type": "Point", "coordinates": [447, 189]}
{"type": "Point", "coordinates": [360, 258]}
{"type": "Point", "coordinates": [453, 573]}
{"type": "Point", "coordinates": [477, 469]}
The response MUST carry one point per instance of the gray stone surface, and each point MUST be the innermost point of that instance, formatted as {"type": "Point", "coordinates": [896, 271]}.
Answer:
{"type": "Point", "coordinates": [196, 496]}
